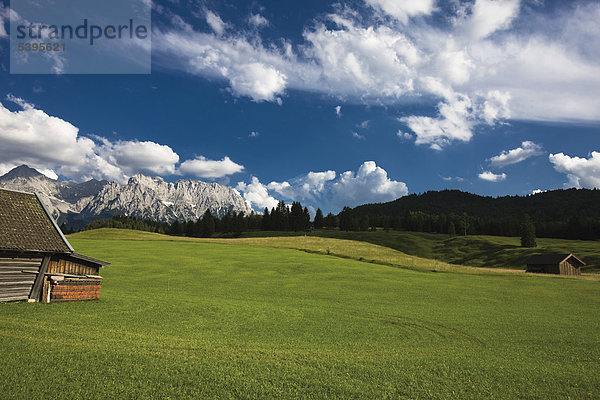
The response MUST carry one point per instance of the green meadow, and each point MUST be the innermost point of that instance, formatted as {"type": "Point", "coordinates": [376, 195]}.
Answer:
{"type": "Point", "coordinates": [298, 317]}
{"type": "Point", "coordinates": [473, 250]}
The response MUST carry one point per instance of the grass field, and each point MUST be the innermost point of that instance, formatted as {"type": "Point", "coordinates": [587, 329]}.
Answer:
{"type": "Point", "coordinates": [473, 250]}
{"type": "Point", "coordinates": [181, 318]}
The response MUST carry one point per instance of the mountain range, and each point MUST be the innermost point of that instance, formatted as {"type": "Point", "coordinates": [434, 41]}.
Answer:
{"type": "Point", "coordinates": [142, 197]}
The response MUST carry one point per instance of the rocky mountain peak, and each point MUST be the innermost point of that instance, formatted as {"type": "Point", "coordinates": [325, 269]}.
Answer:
{"type": "Point", "coordinates": [22, 171]}
{"type": "Point", "coordinates": [142, 197]}
{"type": "Point", "coordinates": [145, 180]}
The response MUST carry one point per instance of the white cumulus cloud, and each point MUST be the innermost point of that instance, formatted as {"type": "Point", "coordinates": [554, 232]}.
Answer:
{"type": "Point", "coordinates": [133, 156]}
{"type": "Point", "coordinates": [489, 16]}
{"type": "Point", "coordinates": [47, 143]}
{"type": "Point", "coordinates": [309, 186]}
{"type": "Point", "coordinates": [363, 62]}
{"type": "Point", "coordinates": [327, 189]}
{"type": "Point", "coordinates": [32, 137]}
{"type": "Point", "coordinates": [258, 81]}
{"type": "Point", "coordinates": [454, 122]}
{"type": "Point", "coordinates": [256, 194]}
{"type": "Point", "coordinates": [54, 147]}
{"type": "Point", "coordinates": [491, 177]}
{"type": "Point", "coordinates": [403, 10]}
{"type": "Point", "coordinates": [205, 168]}
{"type": "Point", "coordinates": [496, 106]}
{"type": "Point", "coordinates": [507, 157]}
{"type": "Point", "coordinates": [251, 69]}
{"type": "Point", "coordinates": [370, 184]}
{"type": "Point", "coordinates": [581, 172]}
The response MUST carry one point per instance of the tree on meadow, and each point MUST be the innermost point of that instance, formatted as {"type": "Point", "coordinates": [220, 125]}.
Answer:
{"type": "Point", "coordinates": [527, 232]}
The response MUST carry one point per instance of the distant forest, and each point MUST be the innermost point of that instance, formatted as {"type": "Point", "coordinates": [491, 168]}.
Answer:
{"type": "Point", "coordinates": [567, 214]}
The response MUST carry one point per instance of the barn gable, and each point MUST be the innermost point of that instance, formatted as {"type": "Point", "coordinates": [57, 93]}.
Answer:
{"type": "Point", "coordinates": [562, 264]}
{"type": "Point", "coordinates": [37, 263]}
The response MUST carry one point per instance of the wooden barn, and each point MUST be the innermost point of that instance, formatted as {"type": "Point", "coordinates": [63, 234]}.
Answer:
{"type": "Point", "coordinates": [560, 264]}
{"type": "Point", "coordinates": [37, 263]}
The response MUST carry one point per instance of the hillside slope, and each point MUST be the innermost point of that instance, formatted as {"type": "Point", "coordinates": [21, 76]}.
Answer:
{"type": "Point", "coordinates": [474, 250]}
{"type": "Point", "coordinates": [419, 251]}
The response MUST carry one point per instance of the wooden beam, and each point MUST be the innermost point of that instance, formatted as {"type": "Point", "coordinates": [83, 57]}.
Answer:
{"type": "Point", "coordinates": [36, 290]}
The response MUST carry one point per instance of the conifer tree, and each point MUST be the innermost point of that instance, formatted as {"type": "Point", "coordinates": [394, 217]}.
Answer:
{"type": "Point", "coordinates": [208, 224]}
{"type": "Point", "coordinates": [296, 217]}
{"type": "Point", "coordinates": [451, 229]}
{"type": "Point", "coordinates": [318, 221]}
{"type": "Point", "coordinates": [266, 220]}
{"type": "Point", "coordinates": [346, 222]}
{"type": "Point", "coordinates": [527, 232]}
{"type": "Point", "coordinates": [305, 219]}
{"type": "Point", "coordinates": [331, 221]}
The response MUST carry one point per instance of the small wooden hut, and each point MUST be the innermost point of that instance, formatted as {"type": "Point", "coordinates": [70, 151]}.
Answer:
{"type": "Point", "coordinates": [560, 264]}
{"type": "Point", "coordinates": [37, 263]}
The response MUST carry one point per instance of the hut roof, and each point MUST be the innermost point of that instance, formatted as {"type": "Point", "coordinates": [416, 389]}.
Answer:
{"type": "Point", "coordinates": [81, 257]}
{"type": "Point", "coordinates": [27, 226]}
{"type": "Point", "coordinates": [552, 259]}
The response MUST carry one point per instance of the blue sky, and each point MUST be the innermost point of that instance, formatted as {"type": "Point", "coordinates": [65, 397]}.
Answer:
{"type": "Point", "coordinates": [329, 103]}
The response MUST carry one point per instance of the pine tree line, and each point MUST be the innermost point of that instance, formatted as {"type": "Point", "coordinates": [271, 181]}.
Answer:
{"type": "Point", "coordinates": [280, 218]}
{"type": "Point", "coordinates": [585, 225]}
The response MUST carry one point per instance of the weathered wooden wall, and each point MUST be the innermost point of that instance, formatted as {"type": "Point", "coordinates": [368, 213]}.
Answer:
{"type": "Point", "coordinates": [566, 268]}
{"type": "Point", "coordinates": [17, 275]}
{"type": "Point", "coordinates": [61, 265]}
{"type": "Point", "coordinates": [71, 279]}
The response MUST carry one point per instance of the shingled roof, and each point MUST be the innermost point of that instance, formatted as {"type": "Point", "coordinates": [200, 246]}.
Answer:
{"type": "Point", "coordinates": [26, 225]}
{"type": "Point", "coordinates": [551, 259]}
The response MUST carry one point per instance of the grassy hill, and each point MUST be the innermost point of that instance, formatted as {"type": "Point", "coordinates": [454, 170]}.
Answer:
{"type": "Point", "coordinates": [473, 250]}
{"type": "Point", "coordinates": [187, 319]}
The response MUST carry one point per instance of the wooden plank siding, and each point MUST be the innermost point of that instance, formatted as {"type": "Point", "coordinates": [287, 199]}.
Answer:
{"type": "Point", "coordinates": [17, 276]}
{"type": "Point", "coordinates": [75, 285]}
{"type": "Point", "coordinates": [566, 268]}
{"type": "Point", "coordinates": [63, 266]}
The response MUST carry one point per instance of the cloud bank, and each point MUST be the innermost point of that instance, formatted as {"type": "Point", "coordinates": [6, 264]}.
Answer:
{"type": "Point", "coordinates": [327, 189]}
{"type": "Point", "coordinates": [581, 172]}
{"type": "Point", "coordinates": [478, 70]}
{"type": "Point", "coordinates": [54, 146]}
